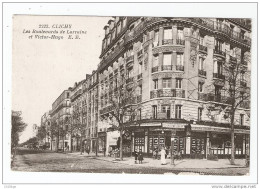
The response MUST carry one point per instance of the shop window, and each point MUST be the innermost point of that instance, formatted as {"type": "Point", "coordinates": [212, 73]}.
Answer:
{"type": "Point", "coordinates": [178, 83]}
{"type": "Point", "coordinates": [178, 111]}
{"type": "Point", "coordinates": [155, 84]}
{"type": "Point", "coordinates": [166, 83]}
{"type": "Point", "coordinates": [167, 111]}
{"type": "Point", "coordinates": [154, 112]}
{"type": "Point", "coordinates": [200, 114]}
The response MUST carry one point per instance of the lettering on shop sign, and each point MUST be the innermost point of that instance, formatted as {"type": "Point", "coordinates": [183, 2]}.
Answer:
{"type": "Point", "coordinates": [172, 125]}
{"type": "Point", "coordinates": [150, 124]}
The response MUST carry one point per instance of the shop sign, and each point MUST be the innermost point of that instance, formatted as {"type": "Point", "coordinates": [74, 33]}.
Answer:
{"type": "Point", "coordinates": [242, 131]}
{"type": "Point", "coordinates": [206, 128]}
{"type": "Point", "coordinates": [150, 124]}
{"type": "Point", "coordinates": [173, 125]}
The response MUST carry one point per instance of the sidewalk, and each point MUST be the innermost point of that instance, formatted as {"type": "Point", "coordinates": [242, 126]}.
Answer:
{"type": "Point", "coordinates": [185, 163]}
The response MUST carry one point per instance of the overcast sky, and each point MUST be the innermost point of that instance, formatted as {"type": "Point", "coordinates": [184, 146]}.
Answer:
{"type": "Point", "coordinates": [43, 68]}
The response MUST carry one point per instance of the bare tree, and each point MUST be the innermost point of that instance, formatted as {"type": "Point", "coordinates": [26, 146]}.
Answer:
{"type": "Point", "coordinates": [122, 105]}
{"type": "Point", "coordinates": [234, 94]}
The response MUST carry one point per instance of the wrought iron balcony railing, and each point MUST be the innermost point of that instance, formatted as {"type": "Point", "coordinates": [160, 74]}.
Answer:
{"type": "Point", "coordinates": [139, 76]}
{"type": "Point", "coordinates": [233, 59]}
{"type": "Point", "coordinates": [214, 98]}
{"type": "Point", "coordinates": [203, 48]}
{"type": "Point", "coordinates": [180, 67]}
{"type": "Point", "coordinates": [166, 67]}
{"type": "Point", "coordinates": [218, 75]}
{"type": "Point", "coordinates": [155, 69]}
{"type": "Point", "coordinates": [202, 72]}
{"type": "Point", "coordinates": [180, 93]}
{"type": "Point", "coordinates": [219, 52]}
{"type": "Point", "coordinates": [167, 42]}
{"type": "Point", "coordinates": [130, 59]}
{"type": "Point", "coordinates": [245, 104]}
{"type": "Point", "coordinates": [180, 42]}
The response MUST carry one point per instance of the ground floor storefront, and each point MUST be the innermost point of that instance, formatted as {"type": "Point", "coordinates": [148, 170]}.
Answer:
{"type": "Point", "coordinates": [193, 141]}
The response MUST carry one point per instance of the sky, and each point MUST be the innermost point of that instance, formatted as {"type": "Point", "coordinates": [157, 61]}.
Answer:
{"type": "Point", "coordinates": [43, 68]}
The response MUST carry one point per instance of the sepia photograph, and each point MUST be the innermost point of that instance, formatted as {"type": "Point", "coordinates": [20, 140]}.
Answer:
{"type": "Point", "coordinates": [132, 95]}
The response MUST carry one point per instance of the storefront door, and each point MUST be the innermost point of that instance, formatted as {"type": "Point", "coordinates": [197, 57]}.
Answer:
{"type": "Point", "coordinates": [198, 147]}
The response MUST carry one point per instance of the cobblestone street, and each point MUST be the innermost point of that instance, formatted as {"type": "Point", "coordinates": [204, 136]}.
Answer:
{"type": "Point", "coordinates": [46, 161]}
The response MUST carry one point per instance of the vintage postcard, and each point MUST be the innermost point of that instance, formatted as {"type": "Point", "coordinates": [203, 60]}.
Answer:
{"type": "Point", "coordinates": [132, 95]}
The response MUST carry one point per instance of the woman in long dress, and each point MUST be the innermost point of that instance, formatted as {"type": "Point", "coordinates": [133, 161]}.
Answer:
{"type": "Point", "coordinates": [163, 161]}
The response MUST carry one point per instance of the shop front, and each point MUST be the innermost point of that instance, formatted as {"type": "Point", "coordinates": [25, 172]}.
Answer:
{"type": "Point", "coordinates": [102, 141]}
{"type": "Point", "coordinates": [189, 140]}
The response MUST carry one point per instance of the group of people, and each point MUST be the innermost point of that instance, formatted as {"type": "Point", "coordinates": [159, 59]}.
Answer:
{"type": "Point", "coordinates": [161, 154]}
{"type": "Point", "coordinates": [138, 156]}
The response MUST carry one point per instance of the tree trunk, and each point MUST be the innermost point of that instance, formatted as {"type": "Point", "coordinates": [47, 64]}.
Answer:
{"type": "Point", "coordinates": [121, 144]}
{"type": "Point", "coordinates": [71, 143]}
{"type": "Point", "coordinates": [232, 160]}
{"type": "Point", "coordinates": [80, 144]}
{"type": "Point", "coordinates": [97, 147]}
{"type": "Point", "coordinates": [51, 142]}
{"type": "Point", "coordinates": [58, 143]}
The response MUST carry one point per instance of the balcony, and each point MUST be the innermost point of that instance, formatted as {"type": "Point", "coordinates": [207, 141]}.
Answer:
{"type": "Point", "coordinates": [180, 42]}
{"type": "Point", "coordinates": [129, 80]}
{"type": "Point", "coordinates": [243, 83]}
{"type": "Point", "coordinates": [167, 93]}
{"type": "Point", "coordinates": [130, 59]}
{"type": "Point", "coordinates": [203, 48]}
{"type": "Point", "coordinates": [167, 42]}
{"type": "Point", "coordinates": [166, 67]}
{"type": "Point", "coordinates": [140, 76]}
{"type": "Point", "coordinates": [76, 95]}
{"type": "Point", "coordinates": [218, 76]}
{"type": "Point", "coordinates": [219, 52]}
{"type": "Point", "coordinates": [214, 98]}
{"type": "Point", "coordinates": [233, 59]}
{"type": "Point", "coordinates": [203, 73]}
{"type": "Point", "coordinates": [139, 98]}
{"type": "Point", "coordinates": [245, 104]}
{"type": "Point", "coordinates": [179, 67]}
{"type": "Point", "coordinates": [140, 54]}
{"type": "Point", "coordinates": [155, 69]}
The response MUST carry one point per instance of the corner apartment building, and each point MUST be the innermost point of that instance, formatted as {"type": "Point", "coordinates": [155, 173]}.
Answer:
{"type": "Point", "coordinates": [61, 109]}
{"type": "Point", "coordinates": [177, 64]}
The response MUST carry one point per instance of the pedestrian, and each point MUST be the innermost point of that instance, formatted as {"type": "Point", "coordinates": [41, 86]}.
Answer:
{"type": "Point", "coordinates": [104, 149]}
{"type": "Point", "coordinates": [154, 154]}
{"type": "Point", "coordinates": [166, 152]}
{"type": "Point", "coordinates": [163, 160]}
{"type": "Point", "coordinates": [88, 150]}
{"type": "Point", "coordinates": [140, 156]}
{"type": "Point", "coordinates": [136, 156]}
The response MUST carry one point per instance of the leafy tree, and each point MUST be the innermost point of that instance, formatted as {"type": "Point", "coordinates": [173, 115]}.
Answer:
{"type": "Point", "coordinates": [122, 105]}
{"type": "Point", "coordinates": [236, 94]}
{"type": "Point", "coordinates": [41, 133]}
{"type": "Point", "coordinates": [18, 127]}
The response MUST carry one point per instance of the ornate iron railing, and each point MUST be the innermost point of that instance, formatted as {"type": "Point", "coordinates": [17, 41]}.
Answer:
{"type": "Point", "coordinates": [180, 93]}
{"type": "Point", "coordinates": [180, 67]}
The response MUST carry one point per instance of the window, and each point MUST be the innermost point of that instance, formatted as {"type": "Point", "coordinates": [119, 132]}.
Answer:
{"type": "Point", "coordinates": [180, 34]}
{"type": "Point", "coordinates": [130, 72]}
{"type": "Point", "coordinates": [167, 110]}
{"type": "Point", "coordinates": [140, 68]}
{"type": "Point", "coordinates": [201, 63]}
{"type": "Point", "coordinates": [200, 114]}
{"type": "Point", "coordinates": [167, 59]}
{"type": "Point", "coordinates": [140, 89]}
{"type": "Point", "coordinates": [201, 40]}
{"type": "Point", "coordinates": [166, 83]}
{"type": "Point", "coordinates": [156, 37]}
{"type": "Point", "coordinates": [200, 87]}
{"type": "Point", "coordinates": [119, 28]}
{"type": "Point", "coordinates": [180, 59]}
{"type": "Point", "coordinates": [108, 40]}
{"type": "Point", "coordinates": [68, 95]}
{"type": "Point", "coordinates": [217, 91]}
{"type": "Point", "coordinates": [67, 103]}
{"type": "Point", "coordinates": [218, 45]}
{"type": "Point", "coordinates": [140, 114]}
{"type": "Point", "coordinates": [178, 83]}
{"type": "Point", "coordinates": [113, 34]}
{"type": "Point", "coordinates": [167, 34]}
{"type": "Point", "coordinates": [178, 111]}
{"type": "Point", "coordinates": [241, 119]}
{"type": "Point", "coordinates": [156, 60]}
{"type": "Point", "coordinates": [242, 76]}
{"type": "Point", "coordinates": [124, 22]}
{"type": "Point", "coordinates": [155, 84]}
{"type": "Point", "coordinates": [154, 112]}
